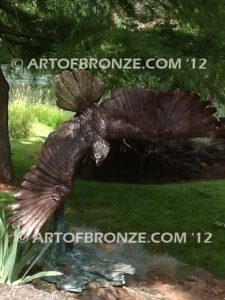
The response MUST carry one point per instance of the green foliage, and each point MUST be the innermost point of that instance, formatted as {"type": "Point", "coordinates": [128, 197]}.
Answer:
{"type": "Point", "coordinates": [99, 29]}
{"type": "Point", "coordinates": [20, 120]}
{"type": "Point", "coordinates": [17, 259]}
{"type": "Point", "coordinates": [24, 111]}
{"type": "Point", "coordinates": [32, 93]}
{"type": "Point", "coordinates": [49, 115]}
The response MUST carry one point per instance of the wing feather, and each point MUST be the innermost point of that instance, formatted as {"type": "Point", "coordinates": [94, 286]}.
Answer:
{"type": "Point", "coordinates": [48, 183]}
{"type": "Point", "coordinates": [156, 115]}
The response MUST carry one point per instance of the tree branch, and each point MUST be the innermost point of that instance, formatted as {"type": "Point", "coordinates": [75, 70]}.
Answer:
{"type": "Point", "coordinates": [15, 12]}
{"type": "Point", "coordinates": [10, 39]}
{"type": "Point", "coordinates": [4, 29]}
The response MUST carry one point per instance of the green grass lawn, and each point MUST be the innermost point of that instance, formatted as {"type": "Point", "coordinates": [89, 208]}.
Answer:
{"type": "Point", "coordinates": [192, 207]}
{"type": "Point", "coordinates": [114, 207]}
{"type": "Point", "coordinates": [25, 151]}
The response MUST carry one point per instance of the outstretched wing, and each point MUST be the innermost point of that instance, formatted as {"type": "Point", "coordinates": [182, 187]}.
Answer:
{"type": "Point", "coordinates": [47, 184]}
{"type": "Point", "coordinates": [156, 115]}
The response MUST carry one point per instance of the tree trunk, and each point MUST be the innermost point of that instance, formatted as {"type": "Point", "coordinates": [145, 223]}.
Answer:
{"type": "Point", "coordinates": [6, 173]}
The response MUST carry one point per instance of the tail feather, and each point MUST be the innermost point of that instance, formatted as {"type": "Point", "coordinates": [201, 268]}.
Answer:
{"type": "Point", "coordinates": [75, 91]}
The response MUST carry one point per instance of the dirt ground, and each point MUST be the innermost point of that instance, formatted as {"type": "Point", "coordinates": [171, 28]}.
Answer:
{"type": "Point", "coordinates": [199, 285]}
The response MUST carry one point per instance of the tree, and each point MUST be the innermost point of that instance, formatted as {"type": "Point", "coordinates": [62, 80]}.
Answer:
{"type": "Point", "coordinates": [6, 173]}
{"type": "Point", "coordinates": [123, 29]}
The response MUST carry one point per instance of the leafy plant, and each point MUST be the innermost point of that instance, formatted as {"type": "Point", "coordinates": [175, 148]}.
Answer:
{"type": "Point", "coordinates": [17, 259]}
{"type": "Point", "coordinates": [20, 120]}
{"type": "Point", "coordinates": [33, 105]}
{"type": "Point", "coordinates": [49, 115]}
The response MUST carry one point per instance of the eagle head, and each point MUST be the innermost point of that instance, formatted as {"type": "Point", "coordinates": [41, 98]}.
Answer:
{"type": "Point", "coordinates": [100, 149]}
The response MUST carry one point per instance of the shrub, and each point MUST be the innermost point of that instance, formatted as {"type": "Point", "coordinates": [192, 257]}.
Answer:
{"type": "Point", "coordinates": [31, 93]}
{"type": "Point", "coordinates": [49, 115]}
{"type": "Point", "coordinates": [20, 120]}
{"type": "Point", "coordinates": [23, 115]}
{"type": "Point", "coordinates": [17, 259]}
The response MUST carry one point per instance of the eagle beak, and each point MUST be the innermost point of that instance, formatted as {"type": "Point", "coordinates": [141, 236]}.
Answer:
{"type": "Point", "coordinates": [98, 161]}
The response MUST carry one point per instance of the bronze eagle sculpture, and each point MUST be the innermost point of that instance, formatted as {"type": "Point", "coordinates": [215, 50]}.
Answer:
{"type": "Point", "coordinates": [154, 116]}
